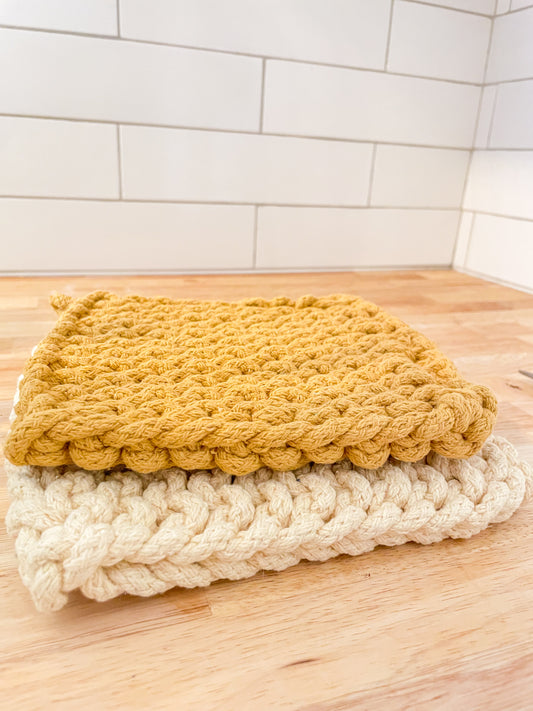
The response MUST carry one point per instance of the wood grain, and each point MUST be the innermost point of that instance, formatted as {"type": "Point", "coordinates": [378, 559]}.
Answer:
{"type": "Point", "coordinates": [439, 627]}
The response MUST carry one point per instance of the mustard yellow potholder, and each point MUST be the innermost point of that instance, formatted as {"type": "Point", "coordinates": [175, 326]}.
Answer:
{"type": "Point", "coordinates": [154, 382]}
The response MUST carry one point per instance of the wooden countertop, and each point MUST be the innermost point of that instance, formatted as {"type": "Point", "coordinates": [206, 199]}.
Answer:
{"type": "Point", "coordinates": [447, 626]}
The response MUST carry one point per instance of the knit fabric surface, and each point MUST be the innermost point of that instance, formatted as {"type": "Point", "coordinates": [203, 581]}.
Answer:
{"type": "Point", "coordinates": [152, 383]}
{"type": "Point", "coordinates": [124, 532]}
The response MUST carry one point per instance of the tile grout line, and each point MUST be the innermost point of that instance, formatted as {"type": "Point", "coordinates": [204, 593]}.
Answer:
{"type": "Point", "coordinates": [119, 159]}
{"type": "Point", "coordinates": [248, 132]}
{"type": "Point", "coordinates": [118, 18]}
{"type": "Point", "coordinates": [245, 132]}
{"type": "Point", "coordinates": [463, 214]}
{"type": "Point", "coordinates": [292, 206]}
{"type": "Point", "coordinates": [261, 270]}
{"type": "Point", "coordinates": [254, 248]}
{"type": "Point", "coordinates": [310, 62]}
{"type": "Point", "coordinates": [513, 12]}
{"type": "Point", "coordinates": [497, 82]}
{"type": "Point", "coordinates": [473, 148]}
{"type": "Point", "coordinates": [236, 203]}
{"type": "Point", "coordinates": [503, 150]}
{"type": "Point", "coordinates": [451, 9]}
{"type": "Point", "coordinates": [469, 240]}
{"type": "Point", "coordinates": [492, 115]}
{"type": "Point", "coordinates": [371, 177]}
{"type": "Point", "coordinates": [507, 81]}
{"type": "Point", "coordinates": [389, 36]}
{"type": "Point", "coordinates": [502, 215]}
{"type": "Point", "coordinates": [262, 102]}
{"type": "Point", "coordinates": [456, 244]}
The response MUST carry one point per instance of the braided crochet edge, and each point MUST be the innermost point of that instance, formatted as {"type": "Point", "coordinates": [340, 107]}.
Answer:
{"type": "Point", "coordinates": [115, 532]}
{"type": "Point", "coordinates": [456, 426]}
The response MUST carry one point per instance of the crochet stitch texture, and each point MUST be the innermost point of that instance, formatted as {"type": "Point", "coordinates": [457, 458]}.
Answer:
{"type": "Point", "coordinates": [109, 533]}
{"type": "Point", "coordinates": [152, 383]}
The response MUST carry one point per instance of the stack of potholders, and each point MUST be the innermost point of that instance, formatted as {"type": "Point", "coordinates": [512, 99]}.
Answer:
{"type": "Point", "coordinates": [158, 443]}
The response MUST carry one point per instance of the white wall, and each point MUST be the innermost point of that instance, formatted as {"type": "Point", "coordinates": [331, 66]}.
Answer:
{"type": "Point", "coordinates": [181, 135]}
{"type": "Point", "coordinates": [496, 234]}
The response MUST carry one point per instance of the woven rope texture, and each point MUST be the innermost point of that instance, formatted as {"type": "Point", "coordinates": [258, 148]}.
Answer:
{"type": "Point", "coordinates": [123, 532]}
{"type": "Point", "coordinates": [152, 383]}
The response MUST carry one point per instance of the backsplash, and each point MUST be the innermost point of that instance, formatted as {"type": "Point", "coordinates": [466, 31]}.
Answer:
{"type": "Point", "coordinates": [172, 135]}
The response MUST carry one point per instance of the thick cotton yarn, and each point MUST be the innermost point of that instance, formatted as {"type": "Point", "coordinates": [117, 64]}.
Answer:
{"type": "Point", "coordinates": [124, 532]}
{"type": "Point", "coordinates": [151, 383]}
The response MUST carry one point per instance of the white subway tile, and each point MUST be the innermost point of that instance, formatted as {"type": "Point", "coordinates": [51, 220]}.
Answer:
{"type": "Point", "coordinates": [501, 182]}
{"type": "Point", "coordinates": [172, 164]}
{"type": "Point", "coordinates": [329, 237]}
{"type": "Point", "coordinates": [485, 7]}
{"type": "Point", "coordinates": [502, 248]}
{"type": "Point", "coordinates": [418, 177]}
{"type": "Point", "coordinates": [70, 76]}
{"type": "Point", "coordinates": [488, 97]}
{"type": "Point", "coordinates": [94, 17]}
{"type": "Point", "coordinates": [463, 238]}
{"type": "Point", "coordinates": [519, 4]}
{"type": "Point", "coordinates": [435, 42]}
{"type": "Point", "coordinates": [350, 32]}
{"type": "Point", "coordinates": [513, 116]}
{"type": "Point", "coordinates": [57, 158]}
{"type": "Point", "coordinates": [71, 235]}
{"type": "Point", "coordinates": [346, 103]}
{"type": "Point", "coordinates": [511, 52]}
